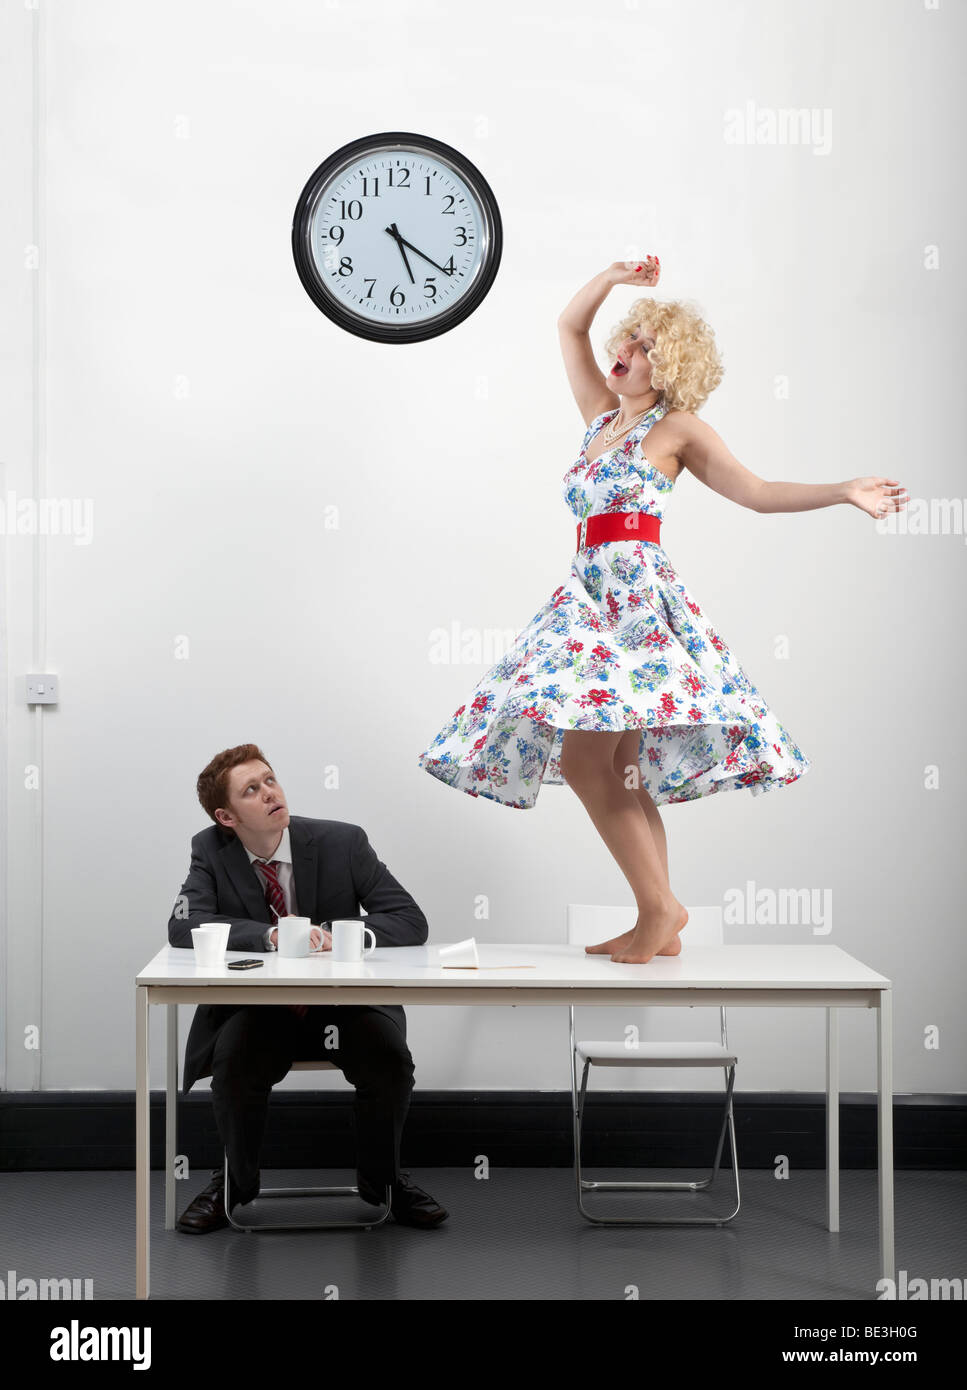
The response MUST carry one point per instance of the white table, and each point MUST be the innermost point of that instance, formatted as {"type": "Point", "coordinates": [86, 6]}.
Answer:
{"type": "Point", "coordinates": [811, 976]}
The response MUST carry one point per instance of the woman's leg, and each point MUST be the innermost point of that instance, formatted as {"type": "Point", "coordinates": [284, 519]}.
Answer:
{"type": "Point", "coordinates": [588, 765]}
{"type": "Point", "coordinates": [627, 767]}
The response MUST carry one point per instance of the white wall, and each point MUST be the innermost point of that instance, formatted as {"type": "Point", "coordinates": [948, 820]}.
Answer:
{"type": "Point", "coordinates": [189, 388]}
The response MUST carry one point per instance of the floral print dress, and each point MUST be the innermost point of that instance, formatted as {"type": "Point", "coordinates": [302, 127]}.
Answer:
{"type": "Point", "coordinates": [621, 644]}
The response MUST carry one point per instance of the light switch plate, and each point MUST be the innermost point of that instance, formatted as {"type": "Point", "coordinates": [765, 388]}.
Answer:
{"type": "Point", "coordinates": [43, 690]}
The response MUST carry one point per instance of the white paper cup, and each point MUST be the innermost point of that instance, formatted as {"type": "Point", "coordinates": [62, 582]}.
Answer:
{"type": "Point", "coordinates": [210, 941]}
{"type": "Point", "coordinates": [294, 936]}
{"type": "Point", "coordinates": [347, 941]}
{"type": "Point", "coordinates": [461, 953]}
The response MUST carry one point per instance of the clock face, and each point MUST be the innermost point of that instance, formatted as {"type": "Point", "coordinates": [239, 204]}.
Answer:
{"type": "Point", "coordinates": [397, 237]}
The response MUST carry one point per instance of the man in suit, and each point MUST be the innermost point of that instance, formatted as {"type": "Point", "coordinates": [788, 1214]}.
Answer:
{"type": "Point", "coordinates": [256, 864]}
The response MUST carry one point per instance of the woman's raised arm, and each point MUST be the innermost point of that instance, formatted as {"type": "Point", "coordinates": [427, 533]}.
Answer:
{"type": "Point", "coordinates": [588, 383]}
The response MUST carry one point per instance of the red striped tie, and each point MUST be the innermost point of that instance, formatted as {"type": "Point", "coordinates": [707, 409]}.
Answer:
{"type": "Point", "coordinates": [274, 896]}
{"type": "Point", "coordinates": [275, 899]}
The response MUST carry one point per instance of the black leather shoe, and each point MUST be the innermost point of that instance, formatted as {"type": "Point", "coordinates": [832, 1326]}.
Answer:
{"type": "Point", "coordinates": [411, 1206]}
{"type": "Point", "coordinates": [207, 1212]}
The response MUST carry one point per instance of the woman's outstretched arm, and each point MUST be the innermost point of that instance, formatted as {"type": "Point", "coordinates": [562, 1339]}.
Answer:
{"type": "Point", "coordinates": [706, 455]}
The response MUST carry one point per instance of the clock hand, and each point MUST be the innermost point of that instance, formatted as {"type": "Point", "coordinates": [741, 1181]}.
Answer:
{"type": "Point", "coordinates": [394, 233]}
{"type": "Point", "coordinates": [403, 242]}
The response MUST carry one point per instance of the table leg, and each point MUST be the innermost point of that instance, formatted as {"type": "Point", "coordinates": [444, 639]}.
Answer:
{"type": "Point", "coordinates": [884, 1077]}
{"type": "Point", "coordinates": [142, 1145]}
{"type": "Point", "coordinates": [832, 1119]}
{"type": "Point", "coordinates": [171, 1114]}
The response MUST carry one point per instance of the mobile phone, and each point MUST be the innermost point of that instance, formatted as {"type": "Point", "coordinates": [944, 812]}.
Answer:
{"type": "Point", "coordinates": [245, 964]}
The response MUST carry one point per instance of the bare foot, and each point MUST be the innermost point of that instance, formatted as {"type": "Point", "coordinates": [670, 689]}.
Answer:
{"type": "Point", "coordinates": [620, 943]}
{"type": "Point", "coordinates": [657, 936]}
{"type": "Point", "coordinates": [674, 947]}
{"type": "Point", "coordinates": [607, 948]}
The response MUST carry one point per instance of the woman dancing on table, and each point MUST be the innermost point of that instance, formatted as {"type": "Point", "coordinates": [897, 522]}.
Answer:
{"type": "Point", "coordinates": [619, 685]}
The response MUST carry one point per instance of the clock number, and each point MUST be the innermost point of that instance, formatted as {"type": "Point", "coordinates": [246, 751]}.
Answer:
{"type": "Point", "coordinates": [366, 192]}
{"type": "Point", "coordinates": [393, 300]}
{"type": "Point", "coordinates": [427, 189]}
{"type": "Point", "coordinates": [370, 283]}
{"type": "Point", "coordinates": [462, 232]}
{"type": "Point", "coordinates": [336, 233]}
{"type": "Point", "coordinates": [346, 261]}
{"type": "Point", "coordinates": [429, 283]}
{"type": "Point", "coordinates": [448, 212]}
{"type": "Point", "coordinates": [450, 268]}
{"type": "Point", "coordinates": [347, 209]}
{"type": "Point", "coordinates": [405, 182]}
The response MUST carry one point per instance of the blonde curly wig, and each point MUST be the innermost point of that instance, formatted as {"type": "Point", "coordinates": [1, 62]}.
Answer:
{"type": "Point", "coordinates": [685, 361]}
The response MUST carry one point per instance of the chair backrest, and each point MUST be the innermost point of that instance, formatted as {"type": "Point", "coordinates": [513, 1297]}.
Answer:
{"type": "Point", "coordinates": [588, 923]}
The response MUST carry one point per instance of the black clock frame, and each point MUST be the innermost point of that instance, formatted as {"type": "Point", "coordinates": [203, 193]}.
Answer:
{"type": "Point", "coordinates": [305, 262]}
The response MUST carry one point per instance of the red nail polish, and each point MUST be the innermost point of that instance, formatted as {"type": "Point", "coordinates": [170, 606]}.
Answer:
{"type": "Point", "coordinates": [637, 267]}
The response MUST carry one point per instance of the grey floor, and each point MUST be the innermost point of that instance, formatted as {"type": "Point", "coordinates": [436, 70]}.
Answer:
{"type": "Point", "coordinates": [516, 1235]}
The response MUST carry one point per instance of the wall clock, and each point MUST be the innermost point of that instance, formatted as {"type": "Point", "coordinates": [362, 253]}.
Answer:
{"type": "Point", "coordinates": [397, 237]}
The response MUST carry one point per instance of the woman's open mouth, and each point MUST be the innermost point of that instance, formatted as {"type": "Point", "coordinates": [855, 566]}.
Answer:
{"type": "Point", "coordinates": [619, 368]}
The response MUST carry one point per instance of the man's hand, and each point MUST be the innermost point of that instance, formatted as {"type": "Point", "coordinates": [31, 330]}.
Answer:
{"type": "Point", "coordinates": [319, 939]}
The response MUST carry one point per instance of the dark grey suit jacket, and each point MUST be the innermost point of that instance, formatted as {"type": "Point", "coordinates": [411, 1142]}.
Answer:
{"type": "Point", "coordinates": [335, 870]}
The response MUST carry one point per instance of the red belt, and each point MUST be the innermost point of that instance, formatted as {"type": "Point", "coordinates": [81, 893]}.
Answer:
{"type": "Point", "coordinates": [618, 526]}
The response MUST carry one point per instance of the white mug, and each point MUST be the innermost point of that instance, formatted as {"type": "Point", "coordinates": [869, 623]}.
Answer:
{"type": "Point", "coordinates": [347, 941]}
{"type": "Point", "coordinates": [294, 936]}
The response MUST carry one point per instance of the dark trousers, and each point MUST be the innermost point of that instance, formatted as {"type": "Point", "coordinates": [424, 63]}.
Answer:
{"type": "Point", "coordinates": [257, 1046]}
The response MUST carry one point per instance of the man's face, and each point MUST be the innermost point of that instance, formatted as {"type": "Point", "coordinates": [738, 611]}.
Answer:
{"type": "Point", "coordinates": [256, 802]}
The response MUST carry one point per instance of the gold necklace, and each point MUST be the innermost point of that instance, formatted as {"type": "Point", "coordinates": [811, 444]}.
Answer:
{"type": "Point", "coordinates": [611, 433]}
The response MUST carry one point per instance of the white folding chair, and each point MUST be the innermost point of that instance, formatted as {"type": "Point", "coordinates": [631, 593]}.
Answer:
{"type": "Point", "coordinates": [586, 925]}
{"type": "Point", "coordinates": [366, 1224]}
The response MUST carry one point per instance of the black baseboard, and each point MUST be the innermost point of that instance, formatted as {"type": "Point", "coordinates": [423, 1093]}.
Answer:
{"type": "Point", "coordinates": [72, 1130]}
